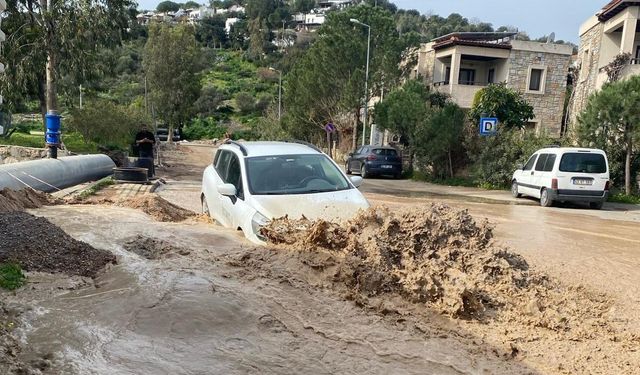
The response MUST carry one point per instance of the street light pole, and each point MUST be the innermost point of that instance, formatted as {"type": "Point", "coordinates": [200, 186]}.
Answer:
{"type": "Point", "coordinates": [366, 82]}
{"type": "Point", "coordinates": [279, 93]}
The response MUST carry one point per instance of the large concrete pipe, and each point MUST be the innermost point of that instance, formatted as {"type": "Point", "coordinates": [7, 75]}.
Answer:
{"type": "Point", "coordinates": [50, 175]}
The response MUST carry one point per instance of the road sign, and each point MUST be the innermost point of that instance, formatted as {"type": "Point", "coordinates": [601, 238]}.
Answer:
{"type": "Point", "coordinates": [488, 126]}
{"type": "Point", "coordinates": [330, 128]}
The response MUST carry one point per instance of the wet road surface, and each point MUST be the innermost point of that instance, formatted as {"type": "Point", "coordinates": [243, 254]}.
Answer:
{"type": "Point", "coordinates": [198, 314]}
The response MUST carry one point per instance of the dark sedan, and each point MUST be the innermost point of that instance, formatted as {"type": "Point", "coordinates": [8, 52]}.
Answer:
{"type": "Point", "coordinates": [375, 160]}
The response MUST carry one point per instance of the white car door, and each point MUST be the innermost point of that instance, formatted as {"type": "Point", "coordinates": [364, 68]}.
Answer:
{"type": "Point", "coordinates": [213, 177]}
{"type": "Point", "coordinates": [525, 177]}
{"type": "Point", "coordinates": [236, 208]}
{"type": "Point", "coordinates": [543, 172]}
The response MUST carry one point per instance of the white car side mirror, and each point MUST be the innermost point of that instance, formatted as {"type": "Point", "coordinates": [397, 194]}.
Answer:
{"type": "Point", "coordinates": [356, 181]}
{"type": "Point", "coordinates": [227, 190]}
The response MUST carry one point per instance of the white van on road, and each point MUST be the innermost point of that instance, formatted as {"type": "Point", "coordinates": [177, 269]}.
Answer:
{"type": "Point", "coordinates": [564, 175]}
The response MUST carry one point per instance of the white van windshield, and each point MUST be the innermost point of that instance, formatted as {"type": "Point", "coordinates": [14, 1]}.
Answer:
{"type": "Point", "coordinates": [294, 174]}
{"type": "Point", "coordinates": [583, 162]}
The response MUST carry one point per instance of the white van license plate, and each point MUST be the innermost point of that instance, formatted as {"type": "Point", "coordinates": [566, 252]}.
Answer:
{"type": "Point", "coordinates": [582, 181]}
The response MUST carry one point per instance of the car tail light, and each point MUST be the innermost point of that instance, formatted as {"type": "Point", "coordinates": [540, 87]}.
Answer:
{"type": "Point", "coordinates": [606, 186]}
{"type": "Point", "coordinates": [372, 157]}
{"type": "Point", "coordinates": [554, 184]}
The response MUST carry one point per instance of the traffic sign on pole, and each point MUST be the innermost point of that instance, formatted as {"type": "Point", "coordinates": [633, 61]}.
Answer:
{"type": "Point", "coordinates": [488, 126]}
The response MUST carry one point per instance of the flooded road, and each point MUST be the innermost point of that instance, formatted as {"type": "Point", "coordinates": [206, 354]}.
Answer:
{"type": "Point", "coordinates": [197, 314]}
{"type": "Point", "coordinates": [202, 313]}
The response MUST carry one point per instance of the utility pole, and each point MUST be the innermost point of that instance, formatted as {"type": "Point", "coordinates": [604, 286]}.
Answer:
{"type": "Point", "coordinates": [279, 93]}
{"type": "Point", "coordinates": [146, 97]}
{"type": "Point", "coordinates": [80, 96]}
{"type": "Point", "coordinates": [366, 82]}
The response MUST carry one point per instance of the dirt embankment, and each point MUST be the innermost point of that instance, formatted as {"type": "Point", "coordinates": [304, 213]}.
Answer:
{"type": "Point", "coordinates": [19, 200]}
{"type": "Point", "coordinates": [158, 208]}
{"type": "Point", "coordinates": [152, 204]}
{"type": "Point", "coordinates": [440, 259]}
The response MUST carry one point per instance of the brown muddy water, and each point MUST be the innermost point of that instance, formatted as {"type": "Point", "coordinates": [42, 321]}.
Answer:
{"type": "Point", "coordinates": [208, 302]}
{"type": "Point", "coordinates": [198, 314]}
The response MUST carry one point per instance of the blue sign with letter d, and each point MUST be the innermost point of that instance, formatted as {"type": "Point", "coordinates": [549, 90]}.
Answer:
{"type": "Point", "coordinates": [488, 126]}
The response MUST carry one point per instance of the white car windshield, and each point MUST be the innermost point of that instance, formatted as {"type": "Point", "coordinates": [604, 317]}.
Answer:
{"type": "Point", "coordinates": [293, 174]}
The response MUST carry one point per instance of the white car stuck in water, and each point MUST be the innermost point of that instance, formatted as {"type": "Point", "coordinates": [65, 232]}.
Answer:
{"type": "Point", "coordinates": [250, 183]}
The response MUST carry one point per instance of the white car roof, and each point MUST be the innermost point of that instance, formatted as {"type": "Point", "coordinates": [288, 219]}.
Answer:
{"type": "Point", "coordinates": [558, 150]}
{"type": "Point", "coordinates": [274, 148]}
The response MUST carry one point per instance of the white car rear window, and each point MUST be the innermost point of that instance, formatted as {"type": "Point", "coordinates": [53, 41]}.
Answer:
{"type": "Point", "coordinates": [583, 162]}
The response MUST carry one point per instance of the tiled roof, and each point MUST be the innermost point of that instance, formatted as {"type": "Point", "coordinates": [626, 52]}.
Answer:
{"type": "Point", "coordinates": [614, 7]}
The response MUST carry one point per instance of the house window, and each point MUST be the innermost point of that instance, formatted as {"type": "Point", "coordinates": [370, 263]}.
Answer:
{"type": "Point", "coordinates": [492, 76]}
{"type": "Point", "coordinates": [535, 79]}
{"type": "Point", "coordinates": [467, 77]}
{"type": "Point", "coordinates": [447, 75]}
{"type": "Point", "coordinates": [637, 55]}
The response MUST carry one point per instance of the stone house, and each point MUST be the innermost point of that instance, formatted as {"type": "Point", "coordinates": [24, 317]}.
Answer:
{"type": "Point", "coordinates": [461, 64]}
{"type": "Point", "coordinates": [614, 30]}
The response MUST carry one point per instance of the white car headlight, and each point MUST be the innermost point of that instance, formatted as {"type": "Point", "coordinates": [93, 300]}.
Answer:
{"type": "Point", "coordinates": [258, 221]}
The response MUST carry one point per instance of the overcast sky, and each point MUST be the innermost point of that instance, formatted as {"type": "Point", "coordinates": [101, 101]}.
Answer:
{"type": "Point", "coordinates": [536, 17]}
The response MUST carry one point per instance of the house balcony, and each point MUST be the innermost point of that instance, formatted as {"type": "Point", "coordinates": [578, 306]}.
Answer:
{"type": "Point", "coordinates": [633, 69]}
{"type": "Point", "coordinates": [462, 93]}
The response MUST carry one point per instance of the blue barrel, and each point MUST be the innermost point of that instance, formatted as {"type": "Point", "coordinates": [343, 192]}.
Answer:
{"type": "Point", "coordinates": [52, 138]}
{"type": "Point", "coordinates": [52, 122]}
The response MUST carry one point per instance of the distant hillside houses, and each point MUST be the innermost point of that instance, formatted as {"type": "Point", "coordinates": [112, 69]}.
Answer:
{"type": "Point", "coordinates": [310, 21]}
{"type": "Point", "coordinates": [191, 15]}
{"type": "Point", "coordinates": [315, 18]}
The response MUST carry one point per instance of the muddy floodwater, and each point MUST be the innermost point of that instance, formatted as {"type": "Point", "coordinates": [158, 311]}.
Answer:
{"type": "Point", "coordinates": [193, 298]}
{"type": "Point", "coordinates": [195, 314]}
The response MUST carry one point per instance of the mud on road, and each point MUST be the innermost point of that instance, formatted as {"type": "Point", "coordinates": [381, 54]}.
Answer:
{"type": "Point", "coordinates": [422, 291]}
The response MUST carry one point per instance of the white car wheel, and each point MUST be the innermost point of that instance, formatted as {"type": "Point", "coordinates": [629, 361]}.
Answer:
{"type": "Point", "coordinates": [205, 206]}
{"type": "Point", "coordinates": [545, 200]}
{"type": "Point", "coordinates": [514, 189]}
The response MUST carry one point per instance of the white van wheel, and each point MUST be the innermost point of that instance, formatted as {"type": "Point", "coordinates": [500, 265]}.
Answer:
{"type": "Point", "coordinates": [514, 189]}
{"type": "Point", "coordinates": [545, 200]}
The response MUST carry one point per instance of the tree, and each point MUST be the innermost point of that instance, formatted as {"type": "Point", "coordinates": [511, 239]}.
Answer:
{"type": "Point", "coordinates": [171, 66]}
{"type": "Point", "coordinates": [106, 123]}
{"type": "Point", "coordinates": [327, 82]}
{"type": "Point", "coordinates": [52, 39]}
{"type": "Point", "coordinates": [611, 120]}
{"type": "Point", "coordinates": [191, 5]}
{"type": "Point", "coordinates": [168, 6]}
{"type": "Point", "coordinates": [208, 102]}
{"type": "Point", "coordinates": [211, 32]}
{"type": "Point", "coordinates": [508, 105]}
{"type": "Point", "coordinates": [441, 135]}
{"type": "Point", "coordinates": [429, 121]}
{"type": "Point", "coordinates": [303, 6]}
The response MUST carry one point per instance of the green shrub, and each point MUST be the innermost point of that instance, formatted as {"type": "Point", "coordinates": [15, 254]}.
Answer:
{"type": "Point", "coordinates": [203, 128]}
{"type": "Point", "coordinates": [11, 276]}
{"type": "Point", "coordinates": [623, 198]}
{"type": "Point", "coordinates": [106, 123]}
{"type": "Point", "coordinates": [245, 102]}
{"type": "Point", "coordinates": [494, 159]}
